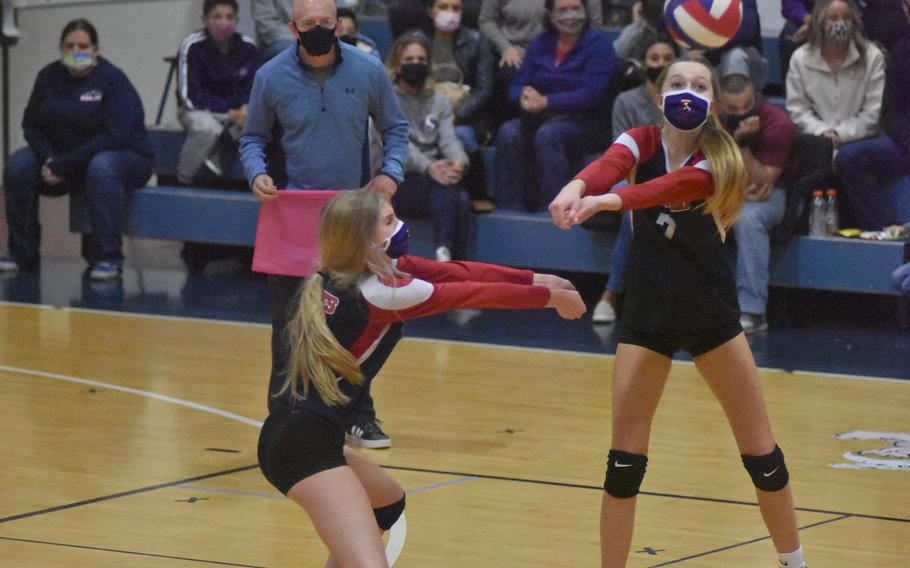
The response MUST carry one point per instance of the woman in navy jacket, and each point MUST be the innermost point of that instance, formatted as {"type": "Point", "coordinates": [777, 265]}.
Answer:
{"type": "Point", "coordinates": [562, 90]}
{"type": "Point", "coordinates": [85, 129]}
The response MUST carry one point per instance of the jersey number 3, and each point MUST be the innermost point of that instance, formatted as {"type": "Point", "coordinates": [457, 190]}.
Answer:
{"type": "Point", "coordinates": [668, 224]}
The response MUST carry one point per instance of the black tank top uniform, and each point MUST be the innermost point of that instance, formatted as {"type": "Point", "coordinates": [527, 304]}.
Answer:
{"type": "Point", "coordinates": [303, 437]}
{"type": "Point", "coordinates": [680, 286]}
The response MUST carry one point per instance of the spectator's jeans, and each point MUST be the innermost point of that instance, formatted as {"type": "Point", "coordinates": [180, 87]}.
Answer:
{"type": "Point", "coordinates": [866, 168]}
{"type": "Point", "coordinates": [901, 279]}
{"type": "Point", "coordinates": [620, 255]}
{"type": "Point", "coordinates": [557, 145]}
{"type": "Point", "coordinates": [468, 137]}
{"type": "Point", "coordinates": [109, 176]}
{"type": "Point", "coordinates": [753, 250]}
{"type": "Point", "coordinates": [203, 131]}
{"type": "Point", "coordinates": [448, 207]}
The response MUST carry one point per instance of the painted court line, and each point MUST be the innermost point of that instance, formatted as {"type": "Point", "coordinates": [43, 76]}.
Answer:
{"type": "Point", "coordinates": [147, 394]}
{"type": "Point", "coordinates": [131, 552]}
{"type": "Point", "coordinates": [442, 484]}
{"type": "Point", "coordinates": [231, 491]}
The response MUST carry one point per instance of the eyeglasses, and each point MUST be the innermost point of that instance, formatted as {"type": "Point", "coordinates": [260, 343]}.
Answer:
{"type": "Point", "coordinates": [307, 25]}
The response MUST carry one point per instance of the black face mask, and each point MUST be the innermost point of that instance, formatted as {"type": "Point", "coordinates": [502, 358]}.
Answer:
{"type": "Point", "coordinates": [317, 41]}
{"type": "Point", "coordinates": [653, 73]}
{"type": "Point", "coordinates": [350, 40]}
{"type": "Point", "coordinates": [414, 74]}
{"type": "Point", "coordinates": [731, 121]}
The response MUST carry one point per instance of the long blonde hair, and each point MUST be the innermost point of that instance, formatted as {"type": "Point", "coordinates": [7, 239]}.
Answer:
{"type": "Point", "coordinates": [722, 152]}
{"type": "Point", "coordinates": [346, 231]}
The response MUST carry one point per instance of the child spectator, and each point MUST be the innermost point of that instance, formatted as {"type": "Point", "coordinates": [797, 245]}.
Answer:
{"type": "Point", "coordinates": [797, 17]}
{"type": "Point", "coordinates": [348, 31]}
{"type": "Point", "coordinates": [215, 71]}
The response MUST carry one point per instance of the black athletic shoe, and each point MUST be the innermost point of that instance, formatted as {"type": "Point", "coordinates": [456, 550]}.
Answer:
{"type": "Point", "coordinates": [367, 434]}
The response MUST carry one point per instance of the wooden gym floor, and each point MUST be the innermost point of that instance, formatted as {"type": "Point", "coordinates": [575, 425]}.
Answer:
{"type": "Point", "coordinates": [130, 441]}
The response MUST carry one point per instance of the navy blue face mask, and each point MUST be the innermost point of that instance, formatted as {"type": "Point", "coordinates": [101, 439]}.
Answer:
{"type": "Point", "coordinates": [685, 110]}
{"type": "Point", "coordinates": [396, 245]}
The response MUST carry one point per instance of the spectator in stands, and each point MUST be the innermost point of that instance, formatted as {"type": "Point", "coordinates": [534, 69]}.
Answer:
{"type": "Point", "coordinates": [326, 146]}
{"type": "Point", "coordinates": [510, 25]}
{"type": "Point", "coordinates": [765, 135]}
{"type": "Point", "coordinates": [867, 168]}
{"type": "Point", "coordinates": [405, 15]}
{"type": "Point", "coordinates": [884, 21]}
{"type": "Point", "coordinates": [436, 159]}
{"type": "Point", "coordinates": [85, 129]}
{"type": "Point", "coordinates": [463, 70]}
{"type": "Point", "coordinates": [215, 71]}
{"type": "Point", "coordinates": [348, 31]}
{"type": "Point", "coordinates": [836, 80]}
{"type": "Point", "coordinates": [797, 17]}
{"type": "Point", "coordinates": [562, 90]}
{"type": "Point", "coordinates": [632, 108]}
{"type": "Point", "coordinates": [646, 26]}
{"type": "Point", "coordinates": [271, 18]}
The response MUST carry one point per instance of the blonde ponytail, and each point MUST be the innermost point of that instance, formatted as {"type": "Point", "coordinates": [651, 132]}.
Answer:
{"type": "Point", "coordinates": [728, 170]}
{"type": "Point", "coordinates": [317, 358]}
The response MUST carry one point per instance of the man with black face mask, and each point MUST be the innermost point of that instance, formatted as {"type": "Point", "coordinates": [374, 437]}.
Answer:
{"type": "Point", "coordinates": [322, 95]}
{"type": "Point", "coordinates": [765, 135]}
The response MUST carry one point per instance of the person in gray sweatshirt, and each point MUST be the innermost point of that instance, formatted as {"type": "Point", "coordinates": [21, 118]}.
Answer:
{"type": "Point", "coordinates": [436, 158]}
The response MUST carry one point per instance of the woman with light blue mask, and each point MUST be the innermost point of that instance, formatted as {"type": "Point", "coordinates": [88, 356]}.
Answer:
{"type": "Point", "coordinates": [86, 135]}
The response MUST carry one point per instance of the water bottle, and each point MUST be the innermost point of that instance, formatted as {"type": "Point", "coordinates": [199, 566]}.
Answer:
{"type": "Point", "coordinates": [831, 220]}
{"type": "Point", "coordinates": [817, 217]}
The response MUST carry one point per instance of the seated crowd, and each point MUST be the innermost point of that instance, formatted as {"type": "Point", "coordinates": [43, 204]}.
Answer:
{"type": "Point", "coordinates": [538, 80]}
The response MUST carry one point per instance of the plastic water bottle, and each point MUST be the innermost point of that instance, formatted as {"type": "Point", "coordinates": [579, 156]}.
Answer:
{"type": "Point", "coordinates": [831, 219]}
{"type": "Point", "coordinates": [817, 214]}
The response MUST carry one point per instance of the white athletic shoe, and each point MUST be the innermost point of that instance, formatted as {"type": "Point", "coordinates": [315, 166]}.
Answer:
{"type": "Point", "coordinates": [603, 312]}
{"type": "Point", "coordinates": [443, 254]}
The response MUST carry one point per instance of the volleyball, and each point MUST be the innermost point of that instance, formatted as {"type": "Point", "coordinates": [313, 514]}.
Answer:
{"type": "Point", "coordinates": [703, 24]}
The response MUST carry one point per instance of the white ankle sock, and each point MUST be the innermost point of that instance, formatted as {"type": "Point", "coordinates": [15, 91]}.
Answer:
{"type": "Point", "coordinates": [792, 559]}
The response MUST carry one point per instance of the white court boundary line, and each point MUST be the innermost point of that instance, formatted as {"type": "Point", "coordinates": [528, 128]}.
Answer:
{"type": "Point", "coordinates": [442, 341]}
{"type": "Point", "coordinates": [398, 532]}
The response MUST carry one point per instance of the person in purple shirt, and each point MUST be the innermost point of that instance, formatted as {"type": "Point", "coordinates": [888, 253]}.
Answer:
{"type": "Point", "coordinates": [85, 129]}
{"type": "Point", "coordinates": [562, 91]}
{"type": "Point", "coordinates": [868, 168]}
{"type": "Point", "coordinates": [215, 71]}
{"type": "Point", "coordinates": [798, 17]}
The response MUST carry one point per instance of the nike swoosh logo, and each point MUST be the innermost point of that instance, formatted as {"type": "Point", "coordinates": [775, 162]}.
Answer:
{"type": "Point", "coordinates": [770, 473]}
{"type": "Point", "coordinates": [617, 464]}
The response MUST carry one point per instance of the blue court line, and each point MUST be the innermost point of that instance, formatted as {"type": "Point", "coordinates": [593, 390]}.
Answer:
{"type": "Point", "coordinates": [442, 484]}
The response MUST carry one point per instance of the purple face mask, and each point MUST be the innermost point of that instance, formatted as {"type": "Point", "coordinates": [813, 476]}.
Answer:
{"type": "Point", "coordinates": [685, 110]}
{"type": "Point", "coordinates": [396, 245]}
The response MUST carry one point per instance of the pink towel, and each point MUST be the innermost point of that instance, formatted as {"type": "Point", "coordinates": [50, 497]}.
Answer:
{"type": "Point", "coordinates": [287, 236]}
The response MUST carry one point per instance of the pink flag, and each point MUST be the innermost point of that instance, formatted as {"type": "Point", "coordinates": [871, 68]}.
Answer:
{"type": "Point", "coordinates": [287, 236]}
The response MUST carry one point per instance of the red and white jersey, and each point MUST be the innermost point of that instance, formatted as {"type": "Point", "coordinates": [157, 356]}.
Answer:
{"type": "Point", "coordinates": [367, 318]}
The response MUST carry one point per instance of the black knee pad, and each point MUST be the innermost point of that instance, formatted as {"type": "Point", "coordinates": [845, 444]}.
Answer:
{"type": "Point", "coordinates": [625, 473]}
{"type": "Point", "coordinates": [386, 516]}
{"type": "Point", "coordinates": [768, 472]}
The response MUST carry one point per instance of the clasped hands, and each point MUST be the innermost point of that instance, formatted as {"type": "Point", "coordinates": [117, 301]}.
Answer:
{"type": "Point", "coordinates": [446, 172]}
{"type": "Point", "coordinates": [570, 208]}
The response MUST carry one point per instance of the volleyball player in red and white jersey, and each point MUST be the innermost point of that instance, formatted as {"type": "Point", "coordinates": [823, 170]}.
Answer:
{"type": "Point", "coordinates": [348, 322]}
{"type": "Point", "coordinates": [685, 191]}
